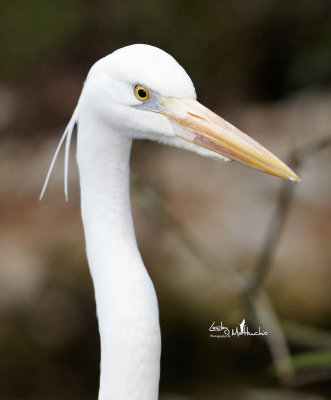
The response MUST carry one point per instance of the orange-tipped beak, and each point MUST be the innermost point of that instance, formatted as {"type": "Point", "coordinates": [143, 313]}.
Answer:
{"type": "Point", "coordinates": [197, 124]}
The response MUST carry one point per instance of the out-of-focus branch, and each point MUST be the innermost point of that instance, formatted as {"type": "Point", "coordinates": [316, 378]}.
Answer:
{"type": "Point", "coordinates": [253, 292]}
{"type": "Point", "coordinates": [149, 198]}
{"type": "Point", "coordinates": [274, 231]}
{"type": "Point", "coordinates": [276, 341]}
{"type": "Point", "coordinates": [276, 226]}
{"type": "Point", "coordinates": [250, 292]}
{"type": "Point", "coordinates": [299, 156]}
{"type": "Point", "coordinates": [230, 281]}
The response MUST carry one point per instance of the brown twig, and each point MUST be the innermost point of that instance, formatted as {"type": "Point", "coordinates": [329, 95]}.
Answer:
{"type": "Point", "coordinates": [263, 264]}
{"type": "Point", "coordinates": [278, 347]}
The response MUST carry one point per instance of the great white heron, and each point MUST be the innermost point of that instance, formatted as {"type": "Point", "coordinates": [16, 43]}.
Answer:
{"type": "Point", "coordinates": [137, 92]}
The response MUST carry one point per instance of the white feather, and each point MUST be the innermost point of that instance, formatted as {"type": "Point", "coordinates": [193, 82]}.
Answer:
{"type": "Point", "coordinates": [67, 134]}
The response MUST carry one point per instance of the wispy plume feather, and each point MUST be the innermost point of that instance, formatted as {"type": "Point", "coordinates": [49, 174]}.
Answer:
{"type": "Point", "coordinates": [66, 135]}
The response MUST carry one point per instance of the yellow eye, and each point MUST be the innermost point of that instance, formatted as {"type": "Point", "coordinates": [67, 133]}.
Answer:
{"type": "Point", "coordinates": [141, 93]}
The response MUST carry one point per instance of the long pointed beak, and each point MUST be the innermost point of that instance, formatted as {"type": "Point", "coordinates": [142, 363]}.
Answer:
{"type": "Point", "coordinates": [197, 124]}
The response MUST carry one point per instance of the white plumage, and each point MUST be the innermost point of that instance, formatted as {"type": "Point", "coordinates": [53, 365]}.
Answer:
{"type": "Point", "coordinates": [137, 92]}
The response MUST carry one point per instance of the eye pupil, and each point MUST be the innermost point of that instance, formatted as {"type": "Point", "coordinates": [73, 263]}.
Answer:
{"type": "Point", "coordinates": [142, 93]}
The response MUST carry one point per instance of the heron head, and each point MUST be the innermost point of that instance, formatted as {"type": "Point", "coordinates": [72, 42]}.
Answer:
{"type": "Point", "coordinates": [141, 91]}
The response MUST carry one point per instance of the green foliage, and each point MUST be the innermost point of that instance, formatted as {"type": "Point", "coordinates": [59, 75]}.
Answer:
{"type": "Point", "coordinates": [311, 360]}
{"type": "Point", "coordinates": [33, 30]}
{"type": "Point", "coordinates": [264, 49]}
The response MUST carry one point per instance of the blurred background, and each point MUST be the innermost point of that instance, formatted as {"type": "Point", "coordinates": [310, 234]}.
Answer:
{"type": "Point", "coordinates": [221, 242]}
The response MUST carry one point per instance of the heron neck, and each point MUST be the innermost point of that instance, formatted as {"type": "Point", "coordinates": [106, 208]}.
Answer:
{"type": "Point", "coordinates": [125, 297]}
